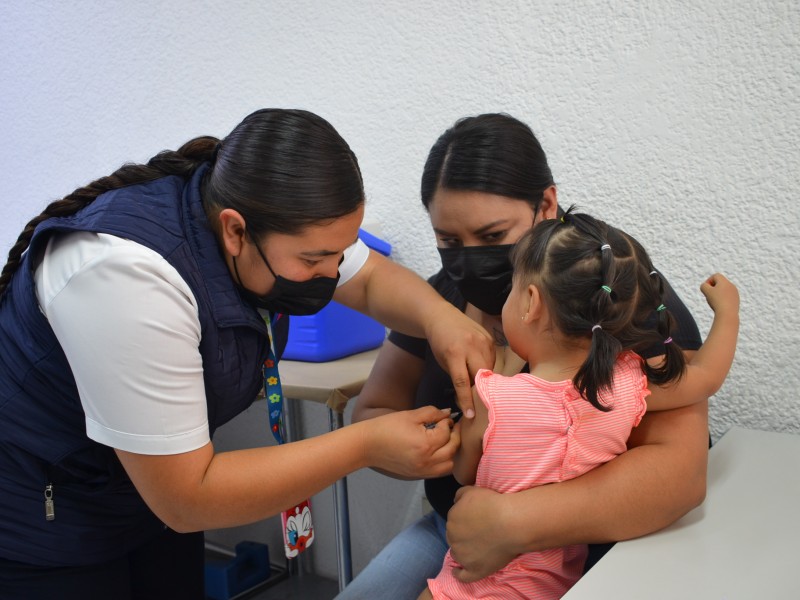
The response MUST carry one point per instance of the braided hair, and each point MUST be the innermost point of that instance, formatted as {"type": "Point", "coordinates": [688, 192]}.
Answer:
{"type": "Point", "coordinates": [181, 162]}
{"type": "Point", "coordinates": [281, 169]}
{"type": "Point", "coordinates": [596, 281]}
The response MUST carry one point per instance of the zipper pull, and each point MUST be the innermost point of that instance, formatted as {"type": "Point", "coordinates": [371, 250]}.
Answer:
{"type": "Point", "coordinates": [49, 506]}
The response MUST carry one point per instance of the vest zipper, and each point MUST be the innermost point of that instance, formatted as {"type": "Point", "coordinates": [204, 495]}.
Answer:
{"type": "Point", "coordinates": [49, 505]}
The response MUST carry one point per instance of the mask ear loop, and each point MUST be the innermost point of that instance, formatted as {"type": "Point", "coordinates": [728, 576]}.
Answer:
{"type": "Point", "coordinates": [236, 271]}
{"type": "Point", "coordinates": [263, 257]}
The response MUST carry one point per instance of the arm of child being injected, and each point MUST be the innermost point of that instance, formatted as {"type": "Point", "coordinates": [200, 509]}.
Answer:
{"type": "Point", "coordinates": [708, 367]}
{"type": "Point", "coordinates": [465, 462]}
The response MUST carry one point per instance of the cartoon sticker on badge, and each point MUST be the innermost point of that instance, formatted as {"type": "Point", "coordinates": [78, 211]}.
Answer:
{"type": "Point", "coordinates": [298, 529]}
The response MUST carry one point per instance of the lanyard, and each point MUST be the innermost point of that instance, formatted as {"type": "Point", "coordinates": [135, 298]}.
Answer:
{"type": "Point", "coordinates": [297, 523]}
{"type": "Point", "coordinates": [272, 385]}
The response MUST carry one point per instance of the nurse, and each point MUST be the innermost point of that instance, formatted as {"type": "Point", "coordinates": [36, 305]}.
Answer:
{"type": "Point", "coordinates": [132, 325]}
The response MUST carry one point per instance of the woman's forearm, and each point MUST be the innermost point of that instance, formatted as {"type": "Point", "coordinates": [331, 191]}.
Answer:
{"type": "Point", "coordinates": [657, 481]}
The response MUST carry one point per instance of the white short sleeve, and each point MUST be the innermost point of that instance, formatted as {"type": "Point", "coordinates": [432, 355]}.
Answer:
{"type": "Point", "coordinates": [128, 324]}
{"type": "Point", "coordinates": [354, 258]}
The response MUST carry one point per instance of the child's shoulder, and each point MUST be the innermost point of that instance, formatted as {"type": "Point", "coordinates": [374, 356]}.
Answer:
{"type": "Point", "coordinates": [486, 379]}
{"type": "Point", "coordinates": [629, 361]}
{"type": "Point", "coordinates": [630, 381]}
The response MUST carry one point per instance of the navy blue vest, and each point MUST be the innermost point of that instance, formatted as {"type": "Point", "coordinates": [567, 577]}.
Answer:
{"type": "Point", "coordinates": [98, 513]}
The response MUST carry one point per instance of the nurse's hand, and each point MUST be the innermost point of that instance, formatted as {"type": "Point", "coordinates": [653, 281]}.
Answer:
{"type": "Point", "coordinates": [414, 444]}
{"type": "Point", "coordinates": [462, 347]}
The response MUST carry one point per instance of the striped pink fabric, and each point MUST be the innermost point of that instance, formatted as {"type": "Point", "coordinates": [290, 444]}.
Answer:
{"type": "Point", "coordinates": [542, 432]}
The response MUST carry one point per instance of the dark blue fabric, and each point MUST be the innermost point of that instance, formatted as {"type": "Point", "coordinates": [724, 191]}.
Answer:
{"type": "Point", "coordinates": [99, 514]}
{"type": "Point", "coordinates": [169, 567]}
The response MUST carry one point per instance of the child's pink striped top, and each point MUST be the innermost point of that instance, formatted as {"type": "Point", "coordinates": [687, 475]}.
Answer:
{"type": "Point", "coordinates": [543, 432]}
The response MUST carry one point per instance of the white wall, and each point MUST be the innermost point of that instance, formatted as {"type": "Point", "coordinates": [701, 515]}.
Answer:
{"type": "Point", "coordinates": [677, 121]}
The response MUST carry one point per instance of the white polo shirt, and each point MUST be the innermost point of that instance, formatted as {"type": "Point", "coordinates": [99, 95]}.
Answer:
{"type": "Point", "coordinates": [129, 326]}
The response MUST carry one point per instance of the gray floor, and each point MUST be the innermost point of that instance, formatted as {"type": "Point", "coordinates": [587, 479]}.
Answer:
{"type": "Point", "coordinates": [298, 585]}
{"type": "Point", "coordinates": [305, 587]}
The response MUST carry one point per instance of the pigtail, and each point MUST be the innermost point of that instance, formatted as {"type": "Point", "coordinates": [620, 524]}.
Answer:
{"type": "Point", "coordinates": [182, 162]}
{"type": "Point", "coordinates": [597, 372]}
{"type": "Point", "coordinates": [674, 363]}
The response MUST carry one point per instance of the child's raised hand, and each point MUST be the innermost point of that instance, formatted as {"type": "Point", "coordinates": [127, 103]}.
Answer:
{"type": "Point", "coordinates": [720, 293]}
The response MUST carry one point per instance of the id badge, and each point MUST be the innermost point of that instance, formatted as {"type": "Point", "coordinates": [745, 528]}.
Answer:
{"type": "Point", "coordinates": [298, 529]}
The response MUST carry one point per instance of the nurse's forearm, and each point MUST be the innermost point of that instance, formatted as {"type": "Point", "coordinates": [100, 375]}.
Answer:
{"type": "Point", "coordinates": [395, 296]}
{"type": "Point", "coordinates": [200, 490]}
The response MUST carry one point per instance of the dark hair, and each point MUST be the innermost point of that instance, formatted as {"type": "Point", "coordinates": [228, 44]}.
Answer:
{"type": "Point", "coordinates": [282, 170]}
{"type": "Point", "coordinates": [493, 153]}
{"type": "Point", "coordinates": [598, 283]}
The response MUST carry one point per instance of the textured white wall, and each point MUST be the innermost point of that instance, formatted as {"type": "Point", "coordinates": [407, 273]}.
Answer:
{"type": "Point", "coordinates": [677, 121]}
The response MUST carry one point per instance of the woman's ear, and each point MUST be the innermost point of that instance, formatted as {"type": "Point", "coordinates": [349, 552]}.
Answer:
{"type": "Point", "coordinates": [548, 207]}
{"type": "Point", "coordinates": [232, 231]}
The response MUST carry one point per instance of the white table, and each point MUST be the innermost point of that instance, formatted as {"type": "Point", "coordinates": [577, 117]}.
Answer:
{"type": "Point", "coordinates": [743, 543]}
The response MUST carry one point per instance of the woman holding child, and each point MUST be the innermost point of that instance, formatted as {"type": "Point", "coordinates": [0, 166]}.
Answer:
{"type": "Point", "coordinates": [486, 182]}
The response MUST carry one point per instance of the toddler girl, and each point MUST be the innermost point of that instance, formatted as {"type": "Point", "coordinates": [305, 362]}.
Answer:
{"type": "Point", "coordinates": [585, 298]}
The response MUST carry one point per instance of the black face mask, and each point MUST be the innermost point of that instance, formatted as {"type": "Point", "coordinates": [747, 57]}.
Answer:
{"type": "Point", "coordinates": [481, 273]}
{"type": "Point", "coordinates": [299, 298]}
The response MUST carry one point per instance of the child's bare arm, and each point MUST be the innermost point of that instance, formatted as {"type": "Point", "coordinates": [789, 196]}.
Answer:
{"type": "Point", "coordinates": [709, 366]}
{"type": "Point", "coordinates": [469, 454]}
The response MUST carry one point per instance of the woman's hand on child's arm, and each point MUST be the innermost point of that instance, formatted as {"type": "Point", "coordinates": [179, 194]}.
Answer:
{"type": "Point", "coordinates": [657, 481]}
{"type": "Point", "coordinates": [462, 347]}
{"type": "Point", "coordinates": [708, 367]}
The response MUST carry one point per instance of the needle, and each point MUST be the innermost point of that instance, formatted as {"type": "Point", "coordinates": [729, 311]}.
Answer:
{"type": "Point", "coordinates": [453, 416]}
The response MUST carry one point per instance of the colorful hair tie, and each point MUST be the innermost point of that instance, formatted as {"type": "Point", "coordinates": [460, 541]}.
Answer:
{"type": "Point", "coordinates": [605, 247]}
{"type": "Point", "coordinates": [605, 288]}
{"type": "Point", "coordinates": [660, 308]}
{"type": "Point", "coordinates": [596, 327]}
{"type": "Point", "coordinates": [562, 219]}
{"type": "Point", "coordinates": [668, 341]}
